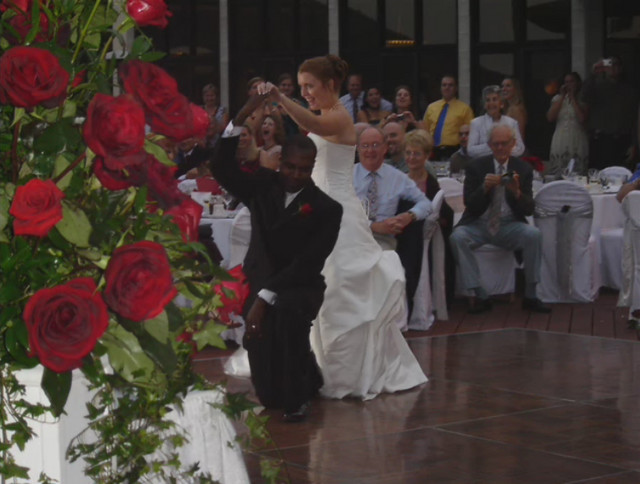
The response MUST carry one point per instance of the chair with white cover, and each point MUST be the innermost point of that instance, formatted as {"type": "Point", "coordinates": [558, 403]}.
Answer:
{"type": "Point", "coordinates": [630, 294]}
{"type": "Point", "coordinates": [497, 266]}
{"type": "Point", "coordinates": [454, 195]}
{"type": "Point", "coordinates": [570, 271]}
{"type": "Point", "coordinates": [239, 237]}
{"type": "Point", "coordinates": [427, 299]}
{"type": "Point", "coordinates": [617, 175]}
{"type": "Point", "coordinates": [608, 227]}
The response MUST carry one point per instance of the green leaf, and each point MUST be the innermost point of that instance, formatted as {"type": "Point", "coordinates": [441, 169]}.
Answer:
{"type": "Point", "coordinates": [157, 151]}
{"type": "Point", "coordinates": [158, 327]}
{"type": "Point", "coordinates": [74, 226]}
{"type": "Point", "coordinates": [210, 335]}
{"type": "Point", "coordinates": [56, 386]}
{"type": "Point", "coordinates": [141, 45]}
{"type": "Point", "coordinates": [61, 164]}
{"type": "Point", "coordinates": [127, 357]}
{"type": "Point", "coordinates": [51, 141]}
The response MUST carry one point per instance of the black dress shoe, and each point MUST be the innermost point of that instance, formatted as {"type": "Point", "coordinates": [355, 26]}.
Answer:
{"type": "Point", "coordinates": [481, 306]}
{"type": "Point", "coordinates": [535, 305]}
{"type": "Point", "coordinates": [297, 416]}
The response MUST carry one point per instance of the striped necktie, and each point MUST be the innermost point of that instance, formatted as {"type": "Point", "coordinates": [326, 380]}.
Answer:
{"type": "Point", "coordinates": [372, 195]}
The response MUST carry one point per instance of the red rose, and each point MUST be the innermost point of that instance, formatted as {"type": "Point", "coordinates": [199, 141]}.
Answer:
{"type": "Point", "coordinates": [305, 209]}
{"type": "Point", "coordinates": [114, 129]}
{"type": "Point", "coordinates": [240, 291]}
{"type": "Point", "coordinates": [30, 76]}
{"type": "Point", "coordinates": [36, 207]}
{"type": "Point", "coordinates": [64, 323]}
{"type": "Point", "coordinates": [149, 12]}
{"type": "Point", "coordinates": [133, 175]}
{"type": "Point", "coordinates": [20, 6]}
{"type": "Point", "coordinates": [167, 111]}
{"type": "Point", "coordinates": [139, 283]}
{"type": "Point", "coordinates": [201, 121]}
{"type": "Point", "coordinates": [79, 78]}
{"type": "Point", "coordinates": [22, 24]}
{"type": "Point", "coordinates": [187, 216]}
{"type": "Point", "coordinates": [162, 185]}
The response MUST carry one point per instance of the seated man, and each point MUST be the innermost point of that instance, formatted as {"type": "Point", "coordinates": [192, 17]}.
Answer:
{"type": "Point", "coordinates": [394, 137]}
{"type": "Point", "coordinates": [480, 126]}
{"type": "Point", "coordinates": [498, 197]}
{"type": "Point", "coordinates": [386, 190]}
{"type": "Point", "coordinates": [459, 160]}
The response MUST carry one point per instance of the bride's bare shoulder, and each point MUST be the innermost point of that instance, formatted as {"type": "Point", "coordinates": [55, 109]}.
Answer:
{"type": "Point", "coordinates": [343, 131]}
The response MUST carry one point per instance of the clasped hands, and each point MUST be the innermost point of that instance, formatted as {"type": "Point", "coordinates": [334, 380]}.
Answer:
{"type": "Point", "coordinates": [392, 226]}
{"type": "Point", "coordinates": [492, 180]}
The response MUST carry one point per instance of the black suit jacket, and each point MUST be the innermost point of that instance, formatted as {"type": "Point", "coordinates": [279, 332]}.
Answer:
{"type": "Point", "coordinates": [289, 245]}
{"type": "Point", "coordinates": [477, 201]}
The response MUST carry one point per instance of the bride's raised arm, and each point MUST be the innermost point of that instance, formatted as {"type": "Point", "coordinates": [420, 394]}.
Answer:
{"type": "Point", "coordinates": [333, 122]}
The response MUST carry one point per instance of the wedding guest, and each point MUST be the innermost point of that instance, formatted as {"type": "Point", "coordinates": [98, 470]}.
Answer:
{"type": "Point", "coordinates": [371, 111]}
{"type": "Point", "coordinates": [513, 101]}
{"type": "Point", "coordinates": [482, 125]}
{"type": "Point", "coordinates": [287, 85]}
{"type": "Point", "coordinates": [294, 229]}
{"type": "Point", "coordinates": [444, 117]}
{"type": "Point", "coordinates": [248, 155]}
{"type": "Point", "coordinates": [569, 141]}
{"type": "Point", "coordinates": [273, 137]}
{"type": "Point", "coordinates": [613, 105]}
{"type": "Point", "coordinates": [218, 115]}
{"type": "Point", "coordinates": [459, 160]}
{"type": "Point", "coordinates": [403, 111]}
{"type": "Point", "coordinates": [498, 197]}
{"type": "Point", "coordinates": [354, 99]}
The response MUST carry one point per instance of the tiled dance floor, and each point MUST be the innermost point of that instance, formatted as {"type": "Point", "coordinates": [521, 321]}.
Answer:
{"type": "Point", "coordinates": [510, 406]}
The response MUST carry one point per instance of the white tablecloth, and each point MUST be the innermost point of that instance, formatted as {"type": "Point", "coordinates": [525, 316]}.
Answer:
{"type": "Point", "coordinates": [220, 233]}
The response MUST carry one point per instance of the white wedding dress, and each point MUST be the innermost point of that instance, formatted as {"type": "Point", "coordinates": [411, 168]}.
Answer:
{"type": "Point", "coordinates": [356, 336]}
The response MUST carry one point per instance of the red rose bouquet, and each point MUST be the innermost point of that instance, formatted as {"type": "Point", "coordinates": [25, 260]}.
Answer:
{"type": "Point", "coordinates": [96, 241]}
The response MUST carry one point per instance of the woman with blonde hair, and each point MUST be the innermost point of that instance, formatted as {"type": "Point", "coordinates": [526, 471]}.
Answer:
{"type": "Point", "coordinates": [356, 336]}
{"type": "Point", "coordinates": [514, 106]}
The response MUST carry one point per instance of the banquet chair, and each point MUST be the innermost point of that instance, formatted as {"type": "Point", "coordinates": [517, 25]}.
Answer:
{"type": "Point", "coordinates": [454, 195]}
{"type": "Point", "coordinates": [239, 237]}
{"type": "Point", "coordinates": [427, 299]}
{"type": "Point", "coordinates": [609, 233]}
{"type": "Point", "coordinates": [616, 173]}
{"type": "Point", "coordinates": [630, 293]}
{"type": "Point", "coordinates": [497, 266]}
{"type": "Point", "coordinates": [569, 271]}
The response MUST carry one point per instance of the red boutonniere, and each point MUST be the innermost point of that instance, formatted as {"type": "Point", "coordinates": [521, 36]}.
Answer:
{"type": "Point", "coordinates": [535, 162]}
{"type": "Point", "coordinates": [305, 209]}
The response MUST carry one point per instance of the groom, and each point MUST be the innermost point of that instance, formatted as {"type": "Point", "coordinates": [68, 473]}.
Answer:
{"type": "Point", "coordinates": [294, 226]}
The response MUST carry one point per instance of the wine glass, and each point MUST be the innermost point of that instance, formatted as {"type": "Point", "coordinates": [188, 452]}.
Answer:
{"type": "Point", "coordinates": [593, 174]}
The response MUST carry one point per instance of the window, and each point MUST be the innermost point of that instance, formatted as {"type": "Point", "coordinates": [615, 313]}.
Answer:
{"type": "Point", "coordinates": [548, 19]}
{"type": "Point", "coordinates": [496, 21]}
{"type": "Point", "coordinates": [400, 23]}
{"type": "Point", "coordinates": [362, 28]}
{"type": "Point", "coordinates": [439, 22]}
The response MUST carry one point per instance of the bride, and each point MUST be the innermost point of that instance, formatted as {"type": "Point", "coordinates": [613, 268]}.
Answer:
{"type": "Point", "coordinates": [356, 336]}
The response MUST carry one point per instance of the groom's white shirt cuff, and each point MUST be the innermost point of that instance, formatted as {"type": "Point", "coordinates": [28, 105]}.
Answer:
{"type": "Point", "coordinates": [231, 130]}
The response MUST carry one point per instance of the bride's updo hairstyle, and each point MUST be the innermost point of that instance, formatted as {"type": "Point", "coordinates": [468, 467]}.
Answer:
{"type": "Point", "coordinates": [327, 67]}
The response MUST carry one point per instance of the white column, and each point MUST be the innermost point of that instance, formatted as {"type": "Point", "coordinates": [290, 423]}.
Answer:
{"type": "Point", "coordinates": [464, 51]}
{"type": "Point", "coordinates": [334, 27]}
{"type": "Point", "coordinates": [223, 27]}
{"type": "Point", "coordinates": [586, 34]}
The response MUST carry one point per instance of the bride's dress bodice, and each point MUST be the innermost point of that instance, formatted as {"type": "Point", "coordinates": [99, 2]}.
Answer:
{"type": "Point", "coordinates": [332, 171]}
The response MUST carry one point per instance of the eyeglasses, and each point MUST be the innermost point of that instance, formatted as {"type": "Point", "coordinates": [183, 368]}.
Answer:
{"type": "Point", "coordinates": [374, 146]}
{"type": "Point", "coordinates": [500, 144]}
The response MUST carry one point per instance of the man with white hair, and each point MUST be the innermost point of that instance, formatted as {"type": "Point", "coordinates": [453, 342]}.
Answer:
{"type": "Point", "coordinates": [498, 197]}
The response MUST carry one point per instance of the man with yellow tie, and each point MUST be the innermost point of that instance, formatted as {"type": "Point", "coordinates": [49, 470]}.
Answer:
{"type": "Point", "coordinates": [443, 119]}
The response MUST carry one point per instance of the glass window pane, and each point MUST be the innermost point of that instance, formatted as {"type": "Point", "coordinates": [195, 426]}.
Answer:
{"type": "Point", "coordinates": [207, 28]}
{"type": "Point", "coordinates": [548, 19]}
{"type": "Point", "coordinates": [399, 20]}
{"type": "Point", "coordinates": [245, 26]}
{"type": "Point", "coordinates": [493, 68]}
{"type": "Point", "coordinates": [623, 27]}
{"type": "Point", "coordinates": [314, 26]}
{"type": "Point", "coordinates": [361, 30]}
{"type": "Point", "coordinates": [279, 25]}
{"type": "Point", "coordinates": [496, 21]}
{"type": "Point", "coordinates": [439, 22]}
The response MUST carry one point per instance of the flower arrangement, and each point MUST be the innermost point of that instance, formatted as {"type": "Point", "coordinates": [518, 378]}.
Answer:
{"type": "Point", "coordinates": [535, 162]}
{"type": "Point", "coordinates": [96, 240]}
